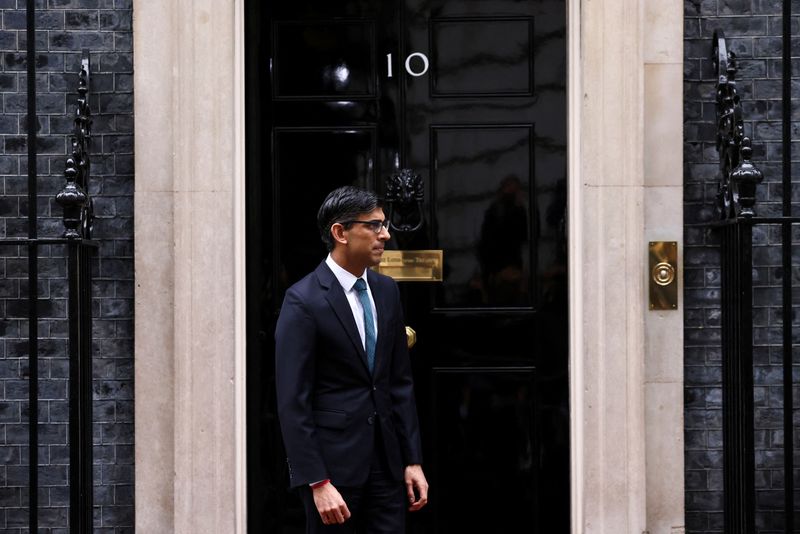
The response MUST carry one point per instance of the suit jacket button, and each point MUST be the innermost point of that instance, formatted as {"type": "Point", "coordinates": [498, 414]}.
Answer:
{"type": "Point", "coordinates": [374, 388]}
{"type": "Point", "coordinates": [371, 419]}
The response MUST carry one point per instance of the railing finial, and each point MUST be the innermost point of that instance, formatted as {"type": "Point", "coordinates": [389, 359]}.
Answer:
{"type": "Point", "coordinates": [736, 195]}
{"type": "Point", "coordinates": [74, 197]}
{"type": "Point", "coordinates": [744, 179]}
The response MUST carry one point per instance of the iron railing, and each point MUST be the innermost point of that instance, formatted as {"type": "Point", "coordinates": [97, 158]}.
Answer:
{"type": "Point", "coordinates": [77, 204]}
{"type": "Point", "coordinates": [737, 218]}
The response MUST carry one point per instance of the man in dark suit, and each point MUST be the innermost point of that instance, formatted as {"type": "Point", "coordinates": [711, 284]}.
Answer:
{"type": "Point", "coordinates": [345, 391]}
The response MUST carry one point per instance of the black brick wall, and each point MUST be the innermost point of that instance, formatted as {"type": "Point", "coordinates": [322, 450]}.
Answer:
{"type": "Point", "coordinates": [64, 28]}
{"type": "Point", "coordinates": [754, 32]}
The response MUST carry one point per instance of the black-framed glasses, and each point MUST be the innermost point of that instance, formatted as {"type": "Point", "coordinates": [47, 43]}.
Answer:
{"type": "Point", "coordinates": [374, 225]}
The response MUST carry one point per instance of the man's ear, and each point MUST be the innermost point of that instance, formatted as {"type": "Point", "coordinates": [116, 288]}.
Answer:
{"type": "Point", "coordinates": [337, 232]}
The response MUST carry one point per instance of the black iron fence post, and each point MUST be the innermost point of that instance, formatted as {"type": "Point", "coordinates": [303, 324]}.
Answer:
{"type": "Point", "coordinates": [735, 208]}
{"type": "Point", "coordinates": [80, 401]}
{"type": "Point", "coordinates": [78, 217]}
{"type": "Point", "coordinates": [737, 387]}
{"type": "Point", "coordinates": [786, 282]}
{"type": "Point", "coordinates": [33, 275]}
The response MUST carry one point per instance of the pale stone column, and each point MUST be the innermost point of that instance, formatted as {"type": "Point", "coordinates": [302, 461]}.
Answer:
{"type": "Point", "coordinates": [607, 260]}
{"type": "Point", "coordinates": [154, 271]}
{"type": "Point", "coordinates": [625, 190]}
{"type": "Point", "coordinates": [188, 435]}
{"type": "Point", "coordinates": [663, 174]}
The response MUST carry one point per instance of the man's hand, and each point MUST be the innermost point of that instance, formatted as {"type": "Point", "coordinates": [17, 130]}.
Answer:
{"type": "Point", "coordinates": [330, 505]}
{"type": "Point", "coordinates": [415, 480]}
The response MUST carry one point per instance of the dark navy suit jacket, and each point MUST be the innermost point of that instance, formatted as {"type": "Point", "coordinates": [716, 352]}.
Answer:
{"type": "Point", "coordinates": [328, 402]}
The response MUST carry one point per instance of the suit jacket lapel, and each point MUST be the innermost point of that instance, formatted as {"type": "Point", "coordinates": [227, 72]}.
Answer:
{"type": "Point", "coordinates": [338, 301]}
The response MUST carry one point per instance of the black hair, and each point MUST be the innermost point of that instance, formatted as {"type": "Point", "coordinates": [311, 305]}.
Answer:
{"type": "Point", "coordinates": [343, 204]}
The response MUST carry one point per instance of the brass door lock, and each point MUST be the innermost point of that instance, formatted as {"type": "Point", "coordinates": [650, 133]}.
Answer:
{"type": "Point", "coordinates": [411, 337]}
{"type": "Point", "coordinates": [663, 280]}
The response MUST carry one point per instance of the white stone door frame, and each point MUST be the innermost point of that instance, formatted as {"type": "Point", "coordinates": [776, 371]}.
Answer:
{"type": "Point", "coordinates": [189, 264]}
{"type": "Point", "coordinates": [190, 286]}
{"type": "Point", "coordinates": [625, 189]}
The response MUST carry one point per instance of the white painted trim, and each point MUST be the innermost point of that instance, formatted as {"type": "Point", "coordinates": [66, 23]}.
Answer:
{"type": "Point", "coordinates": [240, 281]}
{"type": "Point", "coordinates": [575, 253]}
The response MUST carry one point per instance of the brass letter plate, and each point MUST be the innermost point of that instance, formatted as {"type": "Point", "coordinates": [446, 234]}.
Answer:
{"type": "Point", "coordinates": [412, 265]}
{"type": "Point", "coordinates": [663, 275]}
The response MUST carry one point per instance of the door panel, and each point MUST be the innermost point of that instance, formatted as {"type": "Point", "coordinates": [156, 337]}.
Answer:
{"type": "Point", "coordinates": [487, 133]}
{"type": "Point", "coordinates": [485, 128]}
{"type": "Point", "coordinates": [481, 187]}
{"type": "Point", "coordinates": [323, 59]}
{"type": "Point", "coordinates": [485, 448]}
{"type": "Point", "coordinates": [481, 56]}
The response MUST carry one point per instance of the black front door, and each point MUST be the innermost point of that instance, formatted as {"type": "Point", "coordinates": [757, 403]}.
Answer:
{"type": "Point", "coordinates": [471, 97]}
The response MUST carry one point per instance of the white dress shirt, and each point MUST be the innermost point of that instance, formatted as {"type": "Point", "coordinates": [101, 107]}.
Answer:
{"type": "Point", "coordinates": [347, 281]}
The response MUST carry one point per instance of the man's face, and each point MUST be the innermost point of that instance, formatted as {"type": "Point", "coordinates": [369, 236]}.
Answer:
{"type": "Point", "coordinates": [364, 246]}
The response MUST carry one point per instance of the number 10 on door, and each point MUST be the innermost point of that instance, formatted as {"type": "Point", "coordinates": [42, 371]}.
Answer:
{"type": "Point", "coordinates": [409, 69]}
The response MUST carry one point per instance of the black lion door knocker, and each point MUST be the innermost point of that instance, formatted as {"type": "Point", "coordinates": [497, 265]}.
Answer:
{"type": "Point", "coordinates": [405, 195]}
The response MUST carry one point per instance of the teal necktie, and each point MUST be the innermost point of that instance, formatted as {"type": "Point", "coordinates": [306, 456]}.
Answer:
{"type": "Point", "coordinates": [369, 323]}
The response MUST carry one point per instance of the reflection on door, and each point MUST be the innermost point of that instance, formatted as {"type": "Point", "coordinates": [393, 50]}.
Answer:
{"type": "Point", "coordinates": [470, 96]}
